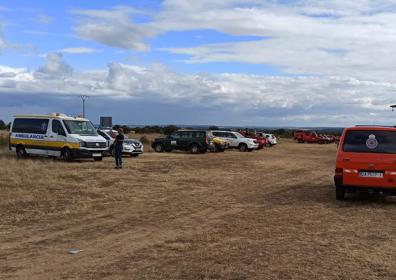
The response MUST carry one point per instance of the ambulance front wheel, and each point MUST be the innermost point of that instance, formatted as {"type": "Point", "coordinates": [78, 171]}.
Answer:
{"type": "Point", "coordinates": [67, 155]}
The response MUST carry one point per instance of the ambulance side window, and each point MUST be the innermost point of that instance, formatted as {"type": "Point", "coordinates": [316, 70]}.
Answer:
{"type": "Point", "coordinates": [34, 126]}
{"type": "Point", "coordinates": [57, 128]}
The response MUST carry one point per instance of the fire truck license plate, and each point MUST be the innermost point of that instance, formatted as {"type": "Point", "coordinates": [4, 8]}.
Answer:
{"type": "Point", "coordinates": [371, 174]}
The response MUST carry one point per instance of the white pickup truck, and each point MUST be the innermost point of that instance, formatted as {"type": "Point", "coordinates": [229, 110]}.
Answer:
{"type": "Point", "coordinates": [236, 140]}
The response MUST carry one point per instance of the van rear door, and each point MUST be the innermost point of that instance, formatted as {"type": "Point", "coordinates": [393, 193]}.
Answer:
{"type": "Point", "coordinates": [368, 158]}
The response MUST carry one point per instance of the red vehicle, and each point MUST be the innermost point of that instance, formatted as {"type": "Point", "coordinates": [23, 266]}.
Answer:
{"type": "Point", "coordinates": [308, 136]}
{"type": "Point", "coordinates": [366, 160]}
{"type": "Point", "coordinates": [261, 141]}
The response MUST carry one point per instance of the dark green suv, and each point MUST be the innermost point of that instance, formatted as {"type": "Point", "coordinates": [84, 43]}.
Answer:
{"type": "Point", "coordinates": [195, 141]}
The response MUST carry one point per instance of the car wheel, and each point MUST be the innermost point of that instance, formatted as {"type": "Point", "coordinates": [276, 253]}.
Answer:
{"type": "Point", "coordinates": [243, 147]}
{"type": "Point", "coordinates": [21, 152]}
{"type": "Point", "coordinates": [98, 158]}
{"type": "Point", "coordinates": [134, 155]}
{"type": "Point", "coordinates": [340, 192]}
{"type": "Point", "coordinates": [159, 148]}
{"type": "Point", "coordinates": [194, 149]}
{"type": "Point", "coordinates": [67, 155]}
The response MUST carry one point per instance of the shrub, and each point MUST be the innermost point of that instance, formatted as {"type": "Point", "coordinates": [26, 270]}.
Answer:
{"type": "Point", "coordinates": [3, 140]}
{"type": "Point", "coordinates": [2, 125]}
{"type": "Point", "coordinates": [170, 129]}
{"type": "Point", "coordinates": [144, 140]}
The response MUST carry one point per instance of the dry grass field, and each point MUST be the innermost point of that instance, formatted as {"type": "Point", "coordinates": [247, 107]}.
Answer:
{"type": "Point", "coordinates": [269, 214]}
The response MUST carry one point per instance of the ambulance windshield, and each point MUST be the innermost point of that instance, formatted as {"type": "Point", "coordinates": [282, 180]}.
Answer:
{"type": "Point", "coordinates": [80, 127]}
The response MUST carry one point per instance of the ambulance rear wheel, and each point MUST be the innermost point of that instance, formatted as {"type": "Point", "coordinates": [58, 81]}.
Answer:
{"type": "Point", "coordinates": [21, 152]}
{"type": "Point", "coordinates": [67, 155]}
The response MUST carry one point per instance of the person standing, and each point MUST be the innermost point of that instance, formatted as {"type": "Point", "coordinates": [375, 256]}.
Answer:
{"type": "Point", "coordinates": [118, 146]}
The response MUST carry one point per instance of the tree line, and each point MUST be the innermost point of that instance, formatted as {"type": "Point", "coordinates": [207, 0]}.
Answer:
{"type": "Point", "coordinates": [4, 126]}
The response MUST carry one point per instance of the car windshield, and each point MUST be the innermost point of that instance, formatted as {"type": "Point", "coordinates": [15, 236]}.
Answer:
{"type": "Point", "coordinates": [80, 127]}
{"type": "Point", "coordinates": [370, 141]}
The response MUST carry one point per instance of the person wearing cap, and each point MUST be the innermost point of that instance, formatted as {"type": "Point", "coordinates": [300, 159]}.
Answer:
{"type": "Point", "coordinates": [118, 146]}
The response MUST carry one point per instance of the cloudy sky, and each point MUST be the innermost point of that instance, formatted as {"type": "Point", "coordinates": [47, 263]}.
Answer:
{"type": "Point", "coordinates": [224, 62]}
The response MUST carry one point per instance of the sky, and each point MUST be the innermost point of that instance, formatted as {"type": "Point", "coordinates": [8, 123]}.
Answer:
{"type": "Point", "coordinates": [215, 62]}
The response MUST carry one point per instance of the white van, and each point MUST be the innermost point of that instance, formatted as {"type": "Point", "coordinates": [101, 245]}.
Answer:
{"type": "Point", "coordinates": [56, 135]}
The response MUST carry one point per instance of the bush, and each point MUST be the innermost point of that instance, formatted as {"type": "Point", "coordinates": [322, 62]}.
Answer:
{"type": "Point", "coordinates": [2, 125]}
{"type": "Point", "coordinates": [144, 140]}
{"type": "Point", "coordinates": [170, 129]}
{"type": "Point", "coordinates": [3, 140]}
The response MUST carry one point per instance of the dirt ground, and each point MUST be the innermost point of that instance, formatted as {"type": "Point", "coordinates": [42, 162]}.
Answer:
{"type": "Point", "coordinates": [268, 214]}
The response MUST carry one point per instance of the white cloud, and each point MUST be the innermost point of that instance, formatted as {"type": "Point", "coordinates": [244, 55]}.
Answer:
{"type": "Point", "coordinates": [35, 32]}
{"type": "Point", "coordinates": [79, 50]}
{"type": "Point", "coordinates": [44, 19]}
{"type": "Point", "coordinates": [112, 27]}
{"type": "Point", "coordinates": [258, 98]}
{"type": "Point", "coordinates": [2, 41]}
{"type": "Point", "coordinates": [334, 38]}
{"type": "Point", "coordinates": [320, 37]}
{"type": "Point", "coordinates": [56, 67]}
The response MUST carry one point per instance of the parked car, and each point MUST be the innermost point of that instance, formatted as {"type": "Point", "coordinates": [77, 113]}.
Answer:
{"type": "Point", "coordinates": [366, 160]}
{"type": "Point", "coordinates": [217, 144]}
{"type": "Point", "coordinates": [131, 147]}
{"type": "Point", "coordinates": [307, 136]}
{"type": "Point", "coordinates": [272, 140]}
{"type": "Point", "coordinates": [195, 141]}
{"type": "Point", "coordinates": [261, 141]}
{"type": "Point", "coordinates": [237, 140]}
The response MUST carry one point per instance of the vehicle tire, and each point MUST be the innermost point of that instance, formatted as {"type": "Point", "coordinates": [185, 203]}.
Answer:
{"type": "Point", "coordinates": [158, 147]}
{"type": "Point", "coordinates": [340, 192]}
{"type": "Point", "coordinates": [269, 144]}
{"type": "Point", "coordinates": [98, 158]}
{"type": "Point", "coordinates": [21, 152]}
{"type": "Point", "coordinates": [66, 155]}
{"type": "Point", "coordinates": [194, 149]}
{"type": "Point", "coordinates": [243, 147]}
{"type": "Point", "coordinates": [134, 155]}
{"type": "Point", "coordinates": [111, 150]}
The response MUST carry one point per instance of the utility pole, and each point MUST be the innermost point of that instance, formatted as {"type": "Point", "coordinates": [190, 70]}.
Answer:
{"type": "Point", "coordinates": [83, 98]}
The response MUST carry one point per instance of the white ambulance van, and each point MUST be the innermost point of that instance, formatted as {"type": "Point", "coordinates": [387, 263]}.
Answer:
{"type": "Point", "coordinates": [56, 135]}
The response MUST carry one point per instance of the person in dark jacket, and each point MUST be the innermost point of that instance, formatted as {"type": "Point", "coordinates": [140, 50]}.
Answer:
{"type": "Point", "coordinates": [118, 146]}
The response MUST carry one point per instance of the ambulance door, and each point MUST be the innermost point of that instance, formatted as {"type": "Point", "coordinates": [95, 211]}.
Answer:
{"type": "Point", "coordinates": [56, 138]}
